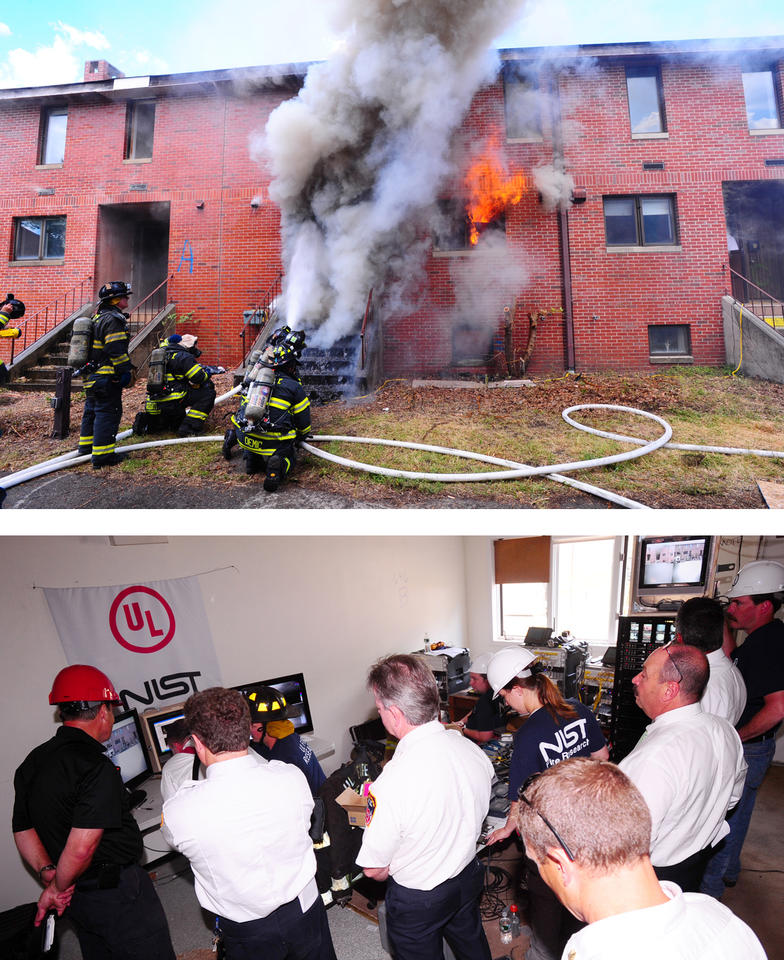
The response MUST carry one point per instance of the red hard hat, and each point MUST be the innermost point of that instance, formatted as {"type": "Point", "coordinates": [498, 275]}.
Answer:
{"type": "Point", "coordinates": [82, 682]}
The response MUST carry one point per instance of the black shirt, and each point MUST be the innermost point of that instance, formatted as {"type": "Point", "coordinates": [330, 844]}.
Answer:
{"type": "Point", "coordinates": [760, 658]}
{"type": "Point", "coordinates": [70, 782]}
{"type": "Point", "coordinates": [486, 715]}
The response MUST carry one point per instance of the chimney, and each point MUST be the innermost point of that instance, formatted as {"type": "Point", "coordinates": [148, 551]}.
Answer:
{"type": "Point", "coordinates": [100, 70]}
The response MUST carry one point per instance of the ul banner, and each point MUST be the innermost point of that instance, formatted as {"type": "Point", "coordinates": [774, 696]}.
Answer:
{"type": "Point", "coordinates": [151, 639]}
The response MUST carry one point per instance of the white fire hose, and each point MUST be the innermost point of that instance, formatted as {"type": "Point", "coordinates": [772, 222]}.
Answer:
{"type": "Point", "coordinates": [514, 470]}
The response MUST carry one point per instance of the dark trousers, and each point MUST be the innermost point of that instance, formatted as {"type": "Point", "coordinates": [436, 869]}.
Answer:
{"type": "Point", "coordinates": [286, 934]}
{"type": "Point", "coordinates": [550, 921]}
{"type": "Point", "coordinates": [101, 417]}
{"type": "Point", "coordinates": [688, 873]}
{"type": "Point", "coordinates": [126, 923]}
{"type": "Point", "coordinates": [286, 452]}
{"type": "Point", "coordinates": [419, 920]}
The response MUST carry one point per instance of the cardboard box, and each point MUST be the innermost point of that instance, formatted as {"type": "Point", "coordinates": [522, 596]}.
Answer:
{"type": "Point", "coordinates": [355, 807]}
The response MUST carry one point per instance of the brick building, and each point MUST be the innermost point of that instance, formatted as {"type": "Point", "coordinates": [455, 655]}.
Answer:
{"type": "Point", "coordinates": [675, 153]}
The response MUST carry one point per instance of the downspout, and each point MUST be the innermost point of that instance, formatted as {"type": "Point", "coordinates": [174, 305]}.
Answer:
{"type": "Point", "coordinates": [563, 228]}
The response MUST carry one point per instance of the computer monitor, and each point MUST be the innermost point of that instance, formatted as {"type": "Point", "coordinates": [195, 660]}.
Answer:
{"type": "Point", "coordinates": [676, 567]}
{"type": "Point", "coordinates": [292, 687]}
{"type": "Point", "coordinates": [154, 724]}
{"type": "Point", "coordinates": [125, 748]}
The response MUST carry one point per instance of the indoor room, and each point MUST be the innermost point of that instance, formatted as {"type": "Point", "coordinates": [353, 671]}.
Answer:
{"type": "Point", "coordinates": [311, 615]}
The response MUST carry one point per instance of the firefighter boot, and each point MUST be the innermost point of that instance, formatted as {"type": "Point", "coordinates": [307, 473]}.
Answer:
{"type": "Point", "coordinates": [274, 473]}
{"type": "Point", "coordinates": [110, 460]}
{"type": "Point", "coordinates": [229, 441]}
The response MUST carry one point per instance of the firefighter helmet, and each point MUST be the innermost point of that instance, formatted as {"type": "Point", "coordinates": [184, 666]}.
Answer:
{"type": "Point", "coordinates": [17, 307]}
{"type": "Point", "coordinates": [114, 289]}
{"type": "Point", "coordinates": [81, 683]}
{"type": "Point", "coordinates": [758, 577]}
{"type": "Point", "coordinates": [282, 356]}
{"type": "Point", "coordinates": [508, 664]}
{"type": "Point", "coordinates": [266, 704]}
{"type": "Point", "coordinates": [479, 663]}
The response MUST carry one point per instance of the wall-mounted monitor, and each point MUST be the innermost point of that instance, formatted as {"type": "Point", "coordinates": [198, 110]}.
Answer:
{"type": "Point", "coordinates": [127, 751]}
{"type": "Point", "coordinates": [676, 566]}
{"type": "Point", "coordinates": [292, 686]}
{"type": "Point", "coordinates": [154, 723]}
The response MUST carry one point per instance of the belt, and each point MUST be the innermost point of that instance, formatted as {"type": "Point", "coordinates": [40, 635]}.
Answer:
{"type": "Point", "coordinates": [769, 735]}
{"type": "Point", "coordinates": [106, 877]}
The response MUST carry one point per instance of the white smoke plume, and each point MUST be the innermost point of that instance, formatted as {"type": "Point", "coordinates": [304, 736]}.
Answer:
{"type": "Point", "coordinates": [357, 158]}
{"type": "Point", "coordinates": [555, 186]}
{"type": "Point", "coordinates": [487, 281]}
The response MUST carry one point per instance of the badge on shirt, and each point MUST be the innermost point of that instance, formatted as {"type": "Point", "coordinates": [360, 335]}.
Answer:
{"type": "Point", "coordinates": [371, 809]}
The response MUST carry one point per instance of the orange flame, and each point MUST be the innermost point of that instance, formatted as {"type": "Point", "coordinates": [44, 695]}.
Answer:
{"type": "Point", "coordinates": [490, 190]}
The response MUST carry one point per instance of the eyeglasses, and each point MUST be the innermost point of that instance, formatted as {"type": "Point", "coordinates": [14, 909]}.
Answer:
{"type": "Point", "coordinates": [666, 648]}
{"type": "Point", "coordinates": [521, 796]}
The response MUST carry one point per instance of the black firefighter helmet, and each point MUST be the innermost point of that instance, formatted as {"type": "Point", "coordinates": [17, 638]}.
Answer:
{"type": "Point", "coordinates": [17, 307]}
{"type": "Point", "coordinates": [113, 290]}
{"type": "Point", "coordinates": [266, 704]}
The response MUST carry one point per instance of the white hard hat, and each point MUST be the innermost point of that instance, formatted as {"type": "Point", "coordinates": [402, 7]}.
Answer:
{"type": "Point", "coordinates": [507, 664]}
{"type": "Point", "coordinates": [479, 663]}
{"type": "Point", "coordinates": [760, 576]}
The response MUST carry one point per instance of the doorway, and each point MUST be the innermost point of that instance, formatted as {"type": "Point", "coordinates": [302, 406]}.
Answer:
{"type": "Point", "coordinates": [133, 245]}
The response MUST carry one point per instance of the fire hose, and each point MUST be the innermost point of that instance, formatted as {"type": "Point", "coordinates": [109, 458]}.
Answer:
{"type": "Point", "coordinates": [513, 469]}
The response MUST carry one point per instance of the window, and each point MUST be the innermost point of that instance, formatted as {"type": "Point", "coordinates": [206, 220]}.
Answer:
{"type": "Point", "coordinates": [639, 221]}
{"type": "Point", "coordinates": [581, 597]}
{"type": "Point", "coordinates": [522, 105]}
{"type": "Point", "coordinates": [762, 106]}
{"type": "Point", "coordinates": [139, 128]}
{"type": "Point", "coordinates": [669, 340]}
{"type": "Point", "coordinates": [54, 121]}
{"type": "Point", "coordinates": [39, 238]}
{"type": "Point", "coordinates": [452, 230]}
{"type": "Point", "coordinates": [646, 101]}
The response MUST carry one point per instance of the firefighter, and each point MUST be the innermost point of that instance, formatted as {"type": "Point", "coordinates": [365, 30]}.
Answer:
{"type": "Point", "coordinates": [10, 309]}
{"type": "Point", "coordinates": [269, 443]}
{"type": "Point", "coordinates": [183, 397]}
{"type": "Point", "coordinates": [107, 373]}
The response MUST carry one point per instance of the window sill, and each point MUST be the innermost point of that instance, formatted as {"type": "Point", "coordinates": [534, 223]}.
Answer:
{"type": "Point", "coordinates": [139, 160]}
{"type": "Point", "coordinates": [524, 139]}
{"type": "Point", "coordinates": [453, 253]}
{"type": "Point", "coordinates": [49, 166]}
{"type": "Point", "coordinates": [649, 248]}
{"type": "Point", "coordinates": [663, 135]}
{"type": "Point", "coordinates": [767, 132]}
{"type": "Point", "coordinates": [671, 358]}
{"type": "Point", "coordinates": [37, 263]}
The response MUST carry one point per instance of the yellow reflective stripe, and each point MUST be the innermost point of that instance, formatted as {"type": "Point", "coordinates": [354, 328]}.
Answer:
{"type": "Point", "coordinates": [99, 451]}
{"type": "Point", "coordinates": [197, 415]}
{"type": "Point", "coordinates": [192, 370]}
{"type": "Point", "coordinates": [302, 405]}
{"type": "Point", "coordinates": [106, 368]}
{"type": "Point", "coordinates": [279, 436]}
{"type": "Point", "coordinates": [83, 441]}
{"type": "Point", "coordinates": [123, 358]}
{"type": "Point", "coordinates": [112, 337]}
{"type": "Point", "coordinates": [279, 404]}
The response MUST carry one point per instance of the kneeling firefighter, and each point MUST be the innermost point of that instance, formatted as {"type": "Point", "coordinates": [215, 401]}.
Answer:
{"type": "Point", "coordinates": [274, 414]}
{"type": "Point", "coordinates": [180, 393]}
{"type": "Point", "coordinates": [10, 309]}
{"type": "Point", "coordinates": [106, 369]}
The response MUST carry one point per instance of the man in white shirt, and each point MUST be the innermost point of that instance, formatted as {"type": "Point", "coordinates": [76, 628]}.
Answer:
{"type": "Point", "coordinates": [688, 764]}
{"type": "Point", "coordinates": [183, 765]}
{"type": "Point", "coordinates": [588, 829]}
{"type": "Point", "coordinates": [700, 623]}
{"type": "Point", "coordinates": [425, 813]}
{"type": "Point", "coordinates": [245, 831]}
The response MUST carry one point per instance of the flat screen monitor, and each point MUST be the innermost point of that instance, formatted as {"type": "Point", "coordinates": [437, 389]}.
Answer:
{"type": "Point", "coordinates": [155, 723]}
{"type": "Point", "coordinates": [125, 748]}
{"type": "Point", "coordinates": [673, 564]}
{"type": "Point", "coordinates": [292, 686]}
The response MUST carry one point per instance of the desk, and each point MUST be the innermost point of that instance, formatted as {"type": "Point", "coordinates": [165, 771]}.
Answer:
{"type": "Point", "coordinates": [148, 813]}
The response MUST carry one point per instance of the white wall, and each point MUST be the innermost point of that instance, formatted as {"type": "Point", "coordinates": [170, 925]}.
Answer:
{"type": "Point", "coordinates": [327, 606]}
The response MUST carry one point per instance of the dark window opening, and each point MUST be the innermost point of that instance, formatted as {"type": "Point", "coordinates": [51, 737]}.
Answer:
{"type": "Point", "coordinates": [522, 104]}
{"type": "Point", "coordinates": [669, 340]}
{"type": "Point", "coordinates": [139, 129]}
{"type": "Point", "coordinates": [646, 99]}
{"type": "Point", "coordinates": [39, 238]}
{"type": "Point", "coordinates": [763, 106]}
{"type": "Point", "coordinates": [54, 121]}
{"type": "Point", "coordinates": [453, 228]}
{"type": "Point", "coordinates": [640, 221]}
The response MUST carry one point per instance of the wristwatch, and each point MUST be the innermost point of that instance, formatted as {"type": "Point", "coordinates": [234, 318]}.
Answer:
{"type": "Point", "coordinates": [45, 867]}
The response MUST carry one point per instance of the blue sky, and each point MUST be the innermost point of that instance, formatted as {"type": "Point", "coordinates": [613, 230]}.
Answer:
{"type": "Point", "coordinates": [47, 41]}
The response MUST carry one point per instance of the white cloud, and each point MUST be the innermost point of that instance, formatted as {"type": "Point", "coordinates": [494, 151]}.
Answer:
{"type": "Point", "coordinates": [57, 63]}
{"type": "Point", "coordinates": [5, 30]}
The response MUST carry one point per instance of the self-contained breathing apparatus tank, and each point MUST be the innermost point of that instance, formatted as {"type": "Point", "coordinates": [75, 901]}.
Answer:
{"type": "Point", "coordinates": [81, 343]}
{"type": "Point", "coordinates": [156, 372]}
{"type": "Point", "coordinates": [252, 369]}
{"type": "Point", "coordinates": [262, 376]}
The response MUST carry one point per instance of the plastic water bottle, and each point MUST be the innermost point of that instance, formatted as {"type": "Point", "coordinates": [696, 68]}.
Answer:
{"type": "Point", "coordinates": [505, 926]}
{"type": "Point", "coordinates": [514, 918]}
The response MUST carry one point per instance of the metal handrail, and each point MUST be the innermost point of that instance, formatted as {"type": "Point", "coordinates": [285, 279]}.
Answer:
{"type": "Point", "coordinates": [263, 309]}
{"type": "Point", "coordinates": [49, 316]}
{"type": "Point", "coordinates": [765, 300]}
{"type": "Point", "coordinates": [365, 319]}
{"type": "Point", "coordinates": [151, 307]}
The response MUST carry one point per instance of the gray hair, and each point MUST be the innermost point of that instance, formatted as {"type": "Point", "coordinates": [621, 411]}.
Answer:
{"type": "Point", "coordinates": [405, 682]}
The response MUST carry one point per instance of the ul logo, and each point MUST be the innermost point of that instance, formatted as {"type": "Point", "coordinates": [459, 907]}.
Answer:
{"type": "Point", "coordinates": [141, 620]}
